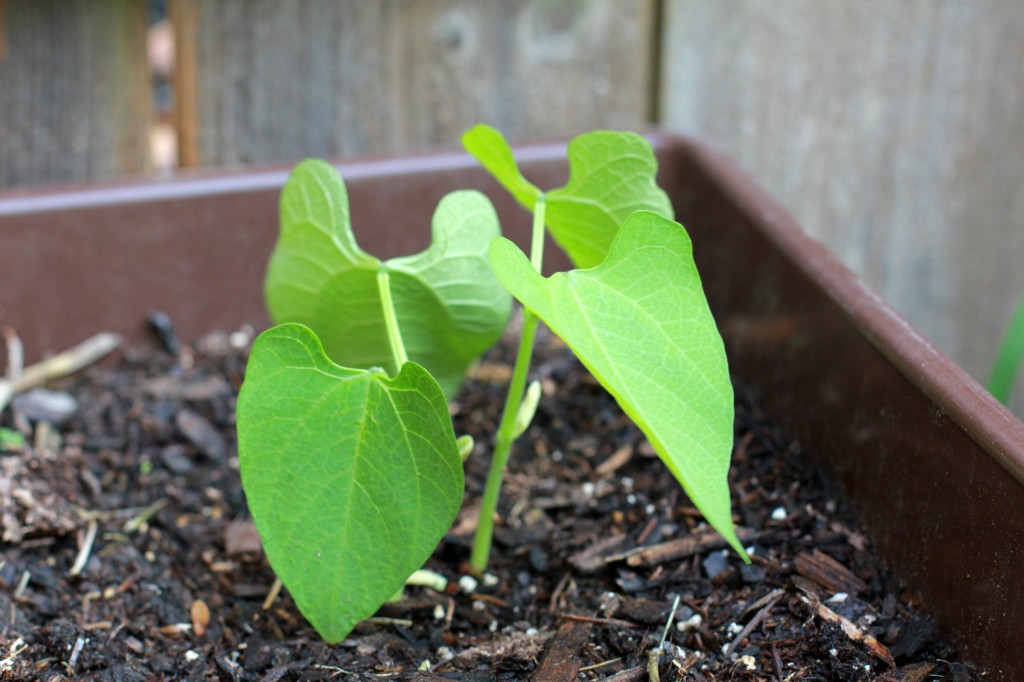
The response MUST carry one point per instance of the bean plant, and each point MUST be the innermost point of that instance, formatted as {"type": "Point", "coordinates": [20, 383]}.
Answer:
{"type": "Point", "coordinates": [349, 458]}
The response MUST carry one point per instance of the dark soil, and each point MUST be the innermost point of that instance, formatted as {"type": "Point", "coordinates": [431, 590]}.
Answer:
{"type": "Point", "coordinates": [596, 543]}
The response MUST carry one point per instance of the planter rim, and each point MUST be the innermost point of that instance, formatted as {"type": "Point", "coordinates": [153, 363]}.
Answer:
{"type": "Point", "coordinates": [191, 184]}
{"type": "Point", "coordinates": [986, 420]}
{"type": "Point", "coordinates": [934, 464]}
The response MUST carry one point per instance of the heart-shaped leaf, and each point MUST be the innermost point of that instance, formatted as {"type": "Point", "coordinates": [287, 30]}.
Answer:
{"type": "Point", "coordinates": [611, 175]}
{"type": "Point", "coordinates": [449, 306]}
{"type": "Point", "coordinates": [352, 478]}
{"type": "Point", "coordinates": [641, 325]}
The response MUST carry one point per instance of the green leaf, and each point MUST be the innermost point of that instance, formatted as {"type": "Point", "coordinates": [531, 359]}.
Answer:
{"type": "Point", "coordinates": [488, 146]}
{"type": "Point", "coordinates": [1009, 358]}
{"type": "Point", "coordinates": [641, 325]}
{"type": "Point", "coordinates": [449, 306]}
{"type": "Point", "coordinates": [352, 478]}
{"type": "Point", "coordinates": [611, 175]}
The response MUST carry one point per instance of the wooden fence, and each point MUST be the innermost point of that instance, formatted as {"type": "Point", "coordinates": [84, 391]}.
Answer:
{"type": "Point", "coordinates": [893, 132]}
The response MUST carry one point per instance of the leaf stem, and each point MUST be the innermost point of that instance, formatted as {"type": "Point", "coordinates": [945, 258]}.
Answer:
{"type": "Point", "coordinates": [537, 235]}
{"type": "Point", "coordinates": [398, 354]}
{"type": "Point", "coordinates": [503, 444]}
{"type": "Point", "coordinates": [507, 430]}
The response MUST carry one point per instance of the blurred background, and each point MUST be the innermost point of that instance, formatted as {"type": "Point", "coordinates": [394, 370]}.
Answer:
{"type": "Point", "coordinates": [892, 131]}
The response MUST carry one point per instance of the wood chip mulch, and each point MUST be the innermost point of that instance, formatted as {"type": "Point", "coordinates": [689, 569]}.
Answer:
{"type": "Point", "coordinates": [126, 553]}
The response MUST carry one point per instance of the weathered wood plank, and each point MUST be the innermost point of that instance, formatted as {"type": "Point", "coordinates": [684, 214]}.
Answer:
{"type": "Point", "coordinates": [278, 81]}
{"type": "Point", "coordinates": [894, 133]}
{"type": "Point", "coordinates": [75, 96]}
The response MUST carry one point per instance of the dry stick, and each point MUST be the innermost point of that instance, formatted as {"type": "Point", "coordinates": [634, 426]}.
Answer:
{"type": "Point", "coordinates": [679, 548]}
{"type": "Point", "coordinates": [275, 590]}
{"type": "Point", "coordinates": [634, 674]}
{"type": "Point", "coordinates": [851, 630]}
{"type": "Point", "coordinates": [749, 627]}
{"type": "Point", "coordinates": [597, 666]}
{"type": "Point", "coordinates": [771, 596]}
{"type": "Point", "coordinates": [382, 620]}
{"type": "Point", "coordinates": [654, 655]}
{"type": "Point", "coordinates": [72, 360]}
{"type": "Point", "coordinates": [135, 523]}
{"type": "Point", "coordinates": [86, 549]}
{"type": "Point", "coordinates": [777, 662]}
{"type": "Point", "coordinates": [68, 362]}
{"type": "Point", "coordinates": [15, 361]}
{"type": "Point", "coordinates": [613, 622]}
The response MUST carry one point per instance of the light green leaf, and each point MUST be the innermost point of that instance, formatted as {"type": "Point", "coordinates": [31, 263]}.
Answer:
{"type": "Point", "coordinates": [1009, 358]}
{"type": "Point", "coordinates": [352, 478]}
{"type": "Point", "coordinates": [641, 325]}
{"type": "Point", "coordinates": [449, 306]}
{"type": "Point", "coordinates": [488, 146]}
{"type": "Point", "coordinates": [611, 175]}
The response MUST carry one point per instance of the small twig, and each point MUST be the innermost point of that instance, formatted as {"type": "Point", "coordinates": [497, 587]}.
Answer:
{"type": "Point", "coordinates": [19, 378]}
{"type": "Point", "coordinates": [777, 662]}
{"type": "Point", "coordinates": [679, 548]}
{"type": "Point", "coordinates": [15, 356]}
{"type": "Point", "coordinates": [15, 363]}
{"type": "Point", "coordinates": [380, 620]}
{"type": "Point", "coordinates": [668, 623]}
{"type": "Point", "coordinates": [19, 591]}
{"type": "Point", "coordinates": [634, 674]}
{"type": "Point", "coordinates": [275, 590]}
{"type": "Point", "coordinates": [135, 523]}
{"type": "Point", "coordinates": [556, 594]}
{"type": "Point", "coordinates": [755, 606]}
{"type": "Point", "coordinates": [753, 623]}
{"type": "Point", "coordinates": [68, 362]}
{"type": "Point", "coordinates": [86, 548]}
{"type": "Point", "coordinates": [654, 655]}
{"type": "Point", "coordinates": [599, 621]}
{"type": "Point", "coordinates": [851, 630]}
{"type": "Point", "coordinates": [597, 666]}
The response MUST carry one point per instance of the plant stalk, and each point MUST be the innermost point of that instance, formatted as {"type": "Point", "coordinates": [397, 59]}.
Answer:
{"type": "Point", "coordinates": [507, 427]}
{"type": "Point", "coordinates": [398, 354]}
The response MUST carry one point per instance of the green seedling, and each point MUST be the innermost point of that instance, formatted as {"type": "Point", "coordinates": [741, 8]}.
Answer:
{"type": "Point", "coordinates": [1009, 358]}
{"type": "Point", "coordinates": [447, 303]}
{"type": "Point", "coordinates": [349, 459]}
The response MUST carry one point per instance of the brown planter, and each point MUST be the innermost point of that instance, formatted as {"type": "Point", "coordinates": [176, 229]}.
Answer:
{"type": "Point", "coordinates": [934, 465]}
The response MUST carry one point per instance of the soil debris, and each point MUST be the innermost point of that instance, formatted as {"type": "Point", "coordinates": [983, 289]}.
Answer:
{"type": "Point", "coordinates": [127, 552]}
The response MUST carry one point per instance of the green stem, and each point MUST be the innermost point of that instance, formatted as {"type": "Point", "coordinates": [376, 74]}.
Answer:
{"type": "Point", "coordinates": [1009, 358]}
{"type": "Point", "coordinates": [537, 235]}
{"type": "Point", "coordinates": [391, 320]}
{"type": "Point", "coordinates": [507, 427]}
{"type": "Point", "coordinates": [503, 445]}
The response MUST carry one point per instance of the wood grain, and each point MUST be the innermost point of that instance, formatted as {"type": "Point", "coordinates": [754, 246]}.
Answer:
{"type": "Point", "coordinates": [75, 98]}
{"type": "Point", "coordinates": [279, 81]}
{"type": "Point", "coordinates": [894, 133]}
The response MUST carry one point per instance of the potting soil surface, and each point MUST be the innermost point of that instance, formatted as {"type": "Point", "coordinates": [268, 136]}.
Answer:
{"type": "Point", "coordinates": [127, 553]}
